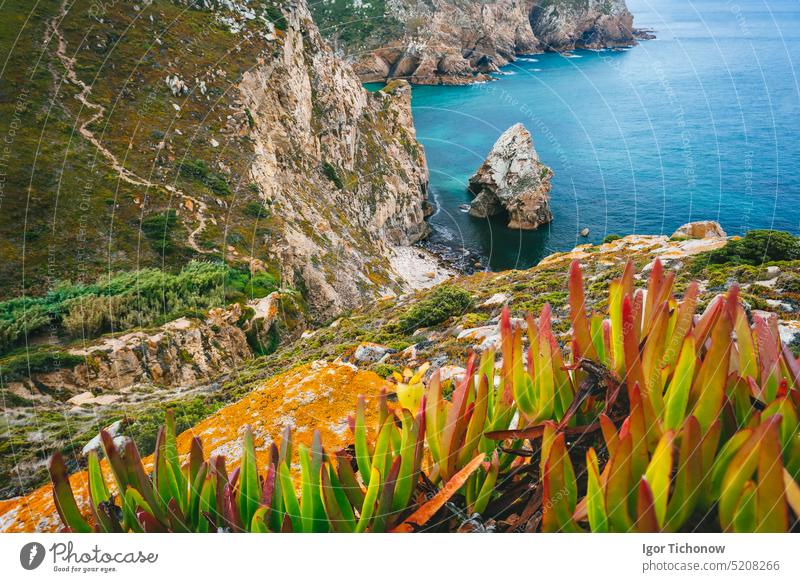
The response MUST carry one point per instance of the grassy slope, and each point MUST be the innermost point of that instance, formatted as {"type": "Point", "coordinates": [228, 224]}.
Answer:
{"type": "Point", "coordinates": [65, 214]}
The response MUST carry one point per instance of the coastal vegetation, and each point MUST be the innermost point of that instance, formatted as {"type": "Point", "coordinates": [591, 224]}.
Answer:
{"type": "Point", "coordinates": [143, 298]}
{"type": "Point", "coordinates": [652, 419]}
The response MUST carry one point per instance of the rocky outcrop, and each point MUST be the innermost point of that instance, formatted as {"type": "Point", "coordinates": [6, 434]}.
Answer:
{"type": "Point", "coordinates": [340, 169]}
{"type": "Point", "coordinates": [591, 24]}
{"type": "Point", "coordinates": [700, 229]}
{"type": "Point", "coordinates": [179, 354]}
{"type": "Point", "coordinates": [451, 42]}
{"type": "Point", "coordinates": [458, 41]}
{"type": "Point", "coordinates": [514, 181]}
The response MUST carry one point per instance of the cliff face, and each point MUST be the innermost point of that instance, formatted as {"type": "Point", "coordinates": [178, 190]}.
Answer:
{"type": "Point", "coordinates": [451, 42]}
{"type": "Point", "coordinates": [178, 129]}
{"type": "Point", "coordinates": [461, 41]}
{"type": "Point", "coordinates": [592, 24]}
{"type": "Point", "coordinates": [339, 168]}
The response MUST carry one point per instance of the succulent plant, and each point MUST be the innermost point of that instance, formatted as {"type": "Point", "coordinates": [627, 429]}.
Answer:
{"type": "Point", "coordinates": [654, 419]}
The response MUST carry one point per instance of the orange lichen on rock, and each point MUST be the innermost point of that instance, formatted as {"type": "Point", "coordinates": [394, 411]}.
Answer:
{"type": "Point", "coordinates": [317, 396]}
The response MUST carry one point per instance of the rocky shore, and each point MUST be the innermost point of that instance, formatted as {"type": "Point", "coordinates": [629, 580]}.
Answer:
{"type": "Point", "coordinates": [448, 42]}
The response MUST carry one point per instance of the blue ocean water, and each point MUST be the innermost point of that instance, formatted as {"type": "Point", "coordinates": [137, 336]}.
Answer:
{"type": "Point", "coordinates": [701, 123]}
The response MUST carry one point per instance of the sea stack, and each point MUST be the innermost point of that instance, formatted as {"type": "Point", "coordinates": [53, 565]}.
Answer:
{"type": "Point", "coordinates": [514, 181]}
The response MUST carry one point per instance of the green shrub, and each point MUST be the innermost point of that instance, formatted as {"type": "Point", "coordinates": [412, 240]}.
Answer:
{"type": "Point", "coordinates": [255, 209]}
{"type": "Point", "coordinates": [20, 320]}
{"type": "Point", "coordinates": [275, 16]}
{"type": "Point", "coordinates": [444, 302]}
{"type": "Point", "coordinates": [158, 228]}
{"type": "Point", "coordinates": [131, 299]}
{"type": "Point", "coordinates": [757, 247]}
{"type": "Point", "coordinates": [332, 175]}
{"type": "Point", "coordinates": [199, 171]}
{"type": "Point", "coordinates": [19, 366]}
{"type": "Point", "coordinates": [611, 238]}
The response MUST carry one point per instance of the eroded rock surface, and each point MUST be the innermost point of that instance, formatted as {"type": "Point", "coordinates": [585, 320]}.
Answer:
{"type": "Point", "coordinates": [514, 181]}
{"type": "Point", "coordinates": [591, 24]}
{"type": "Point", "coordinates": [700, 229]}
{"type": "Point", "coordinates": [339, 167]}
{"type": "Point", "coordinates": [456, 42]}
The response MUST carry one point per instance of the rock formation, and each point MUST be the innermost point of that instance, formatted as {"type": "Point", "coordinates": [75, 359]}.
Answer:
{"type": "Point", "coordinates": [592, 24]}
{"type": "Point", "coordinates": [459, 41]}
{"type": "Point", "coordinates": [340, 168]}
{"type": "Point", "coordinates": [513, 180]}
{"type": "Point", "coordinates": [451, 42]}
{"type": "Point", "coordinates": [700, 229]}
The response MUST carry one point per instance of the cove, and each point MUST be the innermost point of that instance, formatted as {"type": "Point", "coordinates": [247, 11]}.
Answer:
{"type": "Point", "coordinates": [701, 123]}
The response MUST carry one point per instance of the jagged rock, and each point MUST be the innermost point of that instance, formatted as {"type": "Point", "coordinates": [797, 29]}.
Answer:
{"type": "Point", "coordinates": [369, 353]}
{"type": "Point", "coordinates": [177, 85]}
{"type": "Point", "coordinates": [700, 229]}
{"type": "Point", "coordinates": [591, 24]}
{"type": "Point", "coordinates": [454, 42]}
{"type": "Point", "coordinates": [322, 142]}
{"type": "Point", "coordinates": [584, 232]}
{"type": "Point", "coordinates": [513, 180]}
{"type": "Point", "coordinates": [182, 352]}
{"type": "Point", "coordinates": [115, 431]}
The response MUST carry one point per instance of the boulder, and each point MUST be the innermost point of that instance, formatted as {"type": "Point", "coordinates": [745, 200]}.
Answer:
{"type": "Point", "coordinates": [369, 353]}
{"type": "Point", "coordinates": [514, 181]}
{"type": "Point", "coordinates": [700, 229]}
{"type": "Point", "coordinates": [115, 431]}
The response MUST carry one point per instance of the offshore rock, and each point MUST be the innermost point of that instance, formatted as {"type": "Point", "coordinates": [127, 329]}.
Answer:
{"type": "Point", "coordinates": [513, 180]}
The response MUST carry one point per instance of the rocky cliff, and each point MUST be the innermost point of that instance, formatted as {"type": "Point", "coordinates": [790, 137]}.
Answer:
{"type": "Point", "coordinates": [462, 41]}
{"type": "Point", "coordinates": [592, 24]}
{"type": "Point", "coordinates": [149, 133]}
{"type": "Point", "coordinates": [512, 180]}
{"type": "Point", "coordinates": [340, 169]}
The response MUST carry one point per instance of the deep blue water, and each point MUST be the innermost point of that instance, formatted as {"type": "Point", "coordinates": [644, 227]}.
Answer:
{"type": "Point", "coordinates": [701, 123]}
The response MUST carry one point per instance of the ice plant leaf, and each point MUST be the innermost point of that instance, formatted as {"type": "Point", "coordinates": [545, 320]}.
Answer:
{"type": "Point", "coordinates": [363, 452]}
{"type": "Point", "coordinates": [618, 488]}
{"type": "Point", "coordinates": [63, 497]}
{"type": "Point", "coordinates": [290, 502]}
{"type": "Point", "coordinates": [337, 506]}
{"type": "Point", "coordinates": [370, 499]}
{"type": "Point", "coordinates": [249, 486]}
{"type": "Point", "coordinates": [740, 470]}
{"type": "Point", "coordinates": [559, 489]}
{"type": "Point", "coordinates": [646, 518]}
{"type": "Point", "coordinates": [677, 395]}
{"type": "Point", "coordinates": [772, 511]}
{"type": "Point", "coordinates": [421, 516]}
{"type": "Point", "coordinates": [745, 517]}
{"type": "Point", "coordinates": [595, 499]}
{"type": "Point", "coordinates": [708, 391]}
{"type": "Point", "coordinates": [581, 330]}
{"type": "Point", "coordinates": [658, 476]}
{"type": "Point", "coordinates": [682, 326]}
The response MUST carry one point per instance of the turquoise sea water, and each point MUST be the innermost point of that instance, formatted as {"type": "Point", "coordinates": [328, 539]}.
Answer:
{"type": "Point", "coordinates": [701, 123]}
